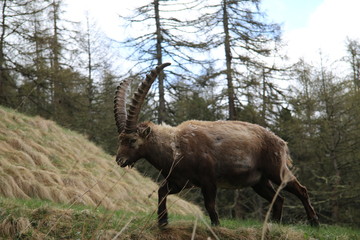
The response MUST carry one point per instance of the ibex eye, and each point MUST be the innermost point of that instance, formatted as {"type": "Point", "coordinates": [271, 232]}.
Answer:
{"type": "Point", "coordinates": [132, 141]}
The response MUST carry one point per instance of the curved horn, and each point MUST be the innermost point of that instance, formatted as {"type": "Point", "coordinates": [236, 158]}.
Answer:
{"type": "Point", "coordinates": [120, 105]}
{"type": "Point", "coordinates": [139, 97]}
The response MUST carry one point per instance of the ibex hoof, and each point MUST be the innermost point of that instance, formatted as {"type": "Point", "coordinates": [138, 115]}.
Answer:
{"type": "Point", "coordinates": [163, 223]}
{"type": "Point", "coordinates": [314, 222]}
{"type": "Point", "coordinates": [215, 224]}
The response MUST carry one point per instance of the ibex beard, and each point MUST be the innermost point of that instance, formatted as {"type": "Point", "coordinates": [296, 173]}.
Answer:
{"type": "Point", "coordinates": [208, 155]}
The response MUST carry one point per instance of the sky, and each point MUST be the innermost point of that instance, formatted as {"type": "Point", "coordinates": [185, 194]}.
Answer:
{"type": "Point", "coordinates": [310, 27]}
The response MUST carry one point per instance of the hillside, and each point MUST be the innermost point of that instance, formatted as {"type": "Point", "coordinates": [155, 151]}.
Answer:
{"type": "Point", "coordinates": [39, 159]}
{"type": "Point", "coordinates": [55, 184]}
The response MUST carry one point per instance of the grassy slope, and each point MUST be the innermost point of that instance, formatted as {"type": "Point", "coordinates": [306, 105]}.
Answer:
{"type": "Point", "coordinates": [39, 159]}
{"type": "Point", "coordinates": [56, 185]}
{"type": "Point", "coordinates": [36, 219]}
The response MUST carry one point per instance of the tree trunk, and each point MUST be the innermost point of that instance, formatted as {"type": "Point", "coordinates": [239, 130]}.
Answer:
{"type": "Point", "coordinates": [161, 109]}
{"type": "Point", "coordinates": [90, 83]}
{"type": "Point", "coordinates": [57, 89]}
{"type": "Point", "coordinates": [353, 48]}
{"type": "Point", "coordinates": [3, 75]}
{"type": "Point", "coordinates": [263, 110]}
{"type": "Point", "coordinates": [38, 66]}
{"type": "Point", "coordinates": [333, 145]}
{"type": "Point", "coordinates": [335, 196]}
{"type": "Point", "coordinates": [230, 92]}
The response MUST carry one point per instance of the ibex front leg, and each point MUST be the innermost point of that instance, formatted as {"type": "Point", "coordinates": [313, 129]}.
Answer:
{"type": "Point", "coordinates": [164, 190]}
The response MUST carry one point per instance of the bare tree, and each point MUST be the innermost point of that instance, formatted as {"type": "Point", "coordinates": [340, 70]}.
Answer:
{"type": "Point", "coordinates": [353, 49]}
{"type": "Point", "coordinates": [240, 29]}
{"type": "Point", "coordinates": [13, 35]}
{"type": "Point", "coordinates": [164, 34]}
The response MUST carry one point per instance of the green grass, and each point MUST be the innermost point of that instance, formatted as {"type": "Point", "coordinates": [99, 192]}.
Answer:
{"type": "Point", "coordinates": [323, 232]}
{"type": "Point", "coordinates": [49, 220]}
{"type": "Point", "coordinates": [329, 232]}
{"type": "Point", "coordinates": [234, 224]}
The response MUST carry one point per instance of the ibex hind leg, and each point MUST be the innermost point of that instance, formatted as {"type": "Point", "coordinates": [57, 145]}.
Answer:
{"type": "Point", "coordinates": [301, 192]}
{"type": "Point", "coordinates": [265, 189]}
{"type": "Point", "coordinates": [293, 186]}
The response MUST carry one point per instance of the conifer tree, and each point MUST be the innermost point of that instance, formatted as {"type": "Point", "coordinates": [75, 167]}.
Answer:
{"type": "Point", "coordinates": [163, 35]}
{"type": "Point", "coordinates": [238, 27]}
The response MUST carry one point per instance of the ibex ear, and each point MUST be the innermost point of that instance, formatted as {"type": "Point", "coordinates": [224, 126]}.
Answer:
{"type": "Point", "coordinates": [145, 132]}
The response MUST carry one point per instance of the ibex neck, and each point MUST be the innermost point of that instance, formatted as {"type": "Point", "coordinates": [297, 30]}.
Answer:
{"type": "Point", "coordinates": [161, 145]}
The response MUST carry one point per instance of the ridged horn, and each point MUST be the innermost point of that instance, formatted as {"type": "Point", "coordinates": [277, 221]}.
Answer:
{"type": "Point", "coordinates": [139, 97]}
{"type": "Point", "coordinates": [120, 105]}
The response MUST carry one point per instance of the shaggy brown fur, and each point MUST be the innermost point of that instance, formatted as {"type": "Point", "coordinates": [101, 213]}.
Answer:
{"type": "Point", "coordinates": [208, 155]}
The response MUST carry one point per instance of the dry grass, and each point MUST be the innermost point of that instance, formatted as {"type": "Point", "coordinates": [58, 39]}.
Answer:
{"type": "Point", "coordinates": [51, 222]}
{"type": "Point", "coordinates": [39, 159]}
{"type": "Point", "coordinates": [36, 219]}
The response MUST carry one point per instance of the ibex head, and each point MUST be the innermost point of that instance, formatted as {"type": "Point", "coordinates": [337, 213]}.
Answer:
{"type": "Point", "coordinates": [132, 136]}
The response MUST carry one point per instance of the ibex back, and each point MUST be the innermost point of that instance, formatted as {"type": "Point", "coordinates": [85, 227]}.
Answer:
{"type": "Point", "coordinates": [208, 155]}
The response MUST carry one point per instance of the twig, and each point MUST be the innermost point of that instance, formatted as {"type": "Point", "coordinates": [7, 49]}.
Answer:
{"type": "Point", "coordinates": [194, 229]}
{"type": "Point", "coordinates": [123, 229]}
{"type": "Point", "coordinates": [267, 216]}
{"type": "Point", "coordinates": [285, 178]}
{"type": "Point", "coordinates": [75, 200]}
{"type": "Point", "coordinates": [212, 231]}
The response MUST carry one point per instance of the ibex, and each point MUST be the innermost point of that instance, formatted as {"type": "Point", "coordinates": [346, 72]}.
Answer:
{"type": "Point", "coordinates": [208, 155]}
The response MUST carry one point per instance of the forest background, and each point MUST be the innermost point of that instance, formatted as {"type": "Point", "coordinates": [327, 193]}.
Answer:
{"type": "Point", "coordinates": [227, 64]}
